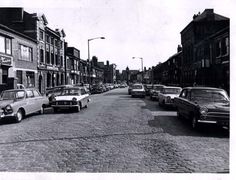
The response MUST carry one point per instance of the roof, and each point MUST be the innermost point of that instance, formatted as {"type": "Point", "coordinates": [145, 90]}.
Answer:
{"type": "Point", "coordinates": [203, 88]}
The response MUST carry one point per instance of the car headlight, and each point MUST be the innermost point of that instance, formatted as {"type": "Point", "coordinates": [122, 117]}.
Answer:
{"type": "Point", "coordinates": [8, 109]}
{"type": "Point", "coordinates": [203, 111]}
{"type": "Point", "coordinates": [74, 99]}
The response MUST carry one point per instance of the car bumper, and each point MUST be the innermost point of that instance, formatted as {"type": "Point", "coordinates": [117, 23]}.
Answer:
{"type": "Point", "coordinates": [138, 93]}
{"type": "Point", "coordinates": [215, 120]}
{"type": "Point", "coordinates": [2, 115]}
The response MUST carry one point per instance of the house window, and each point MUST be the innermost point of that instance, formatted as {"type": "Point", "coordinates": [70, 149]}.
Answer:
{"type": "Point", "coordinates": [48, 57]}
{"type": "Point", "coordinates": [41, 55]}
{"type": "Point", "coordinates": [52, 41]}
{"type": "Point", "coordinates": [225, 46]}
{"type": "Point", "coordinates": [26, 53]}
{"type": "Point", "coordinates": [61, 60]}
{"type": "Point", "coordinates": [5, 45]}
{"type": "Point", "coordinates": [4, 76]}
{"type": "Point", "coordinates": [47, 39]}
{"type": "Point", "coordinates": [52, 58]}
{"type": "Point", "coordinates": [218, 47]}
{"type": "Point", "coordinates": [41, 35]}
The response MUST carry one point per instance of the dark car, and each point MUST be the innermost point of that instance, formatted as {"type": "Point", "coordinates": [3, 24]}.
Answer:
{"type": "Point", "coordinates": [148, 88]}
{"type": "Point", "coordinates": [203, 105]}
{"type": "Point", "coordinates": [97, 88]}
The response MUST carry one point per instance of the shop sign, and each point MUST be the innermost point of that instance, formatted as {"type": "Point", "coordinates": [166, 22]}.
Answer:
{"type": "Point", "coordinates": [7, 61]}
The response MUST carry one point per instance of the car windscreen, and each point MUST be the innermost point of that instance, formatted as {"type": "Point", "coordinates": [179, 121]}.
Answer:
{"type": "Point", "coordinates": [171, 91]}
{"type": "Point", "coordinates": [157, 87]}
{"type": "Point", "coordinates": [209, 95]}
{"type": "Point", "coordinates": [137, 87]}
{"type": "Point", "coordinates": [70, 92]}
{"type": "Point", "coordinates": [9, 95]}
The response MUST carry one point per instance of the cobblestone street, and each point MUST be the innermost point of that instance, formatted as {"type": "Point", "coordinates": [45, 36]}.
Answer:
{"type": "Point", "coordinates": [116, 133]}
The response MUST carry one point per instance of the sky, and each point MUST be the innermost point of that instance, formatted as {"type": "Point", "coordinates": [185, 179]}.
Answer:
{"type": "Point", "coordinates": [132, 28]}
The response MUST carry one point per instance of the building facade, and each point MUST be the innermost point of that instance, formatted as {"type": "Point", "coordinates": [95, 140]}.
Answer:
{"type": "Point", "coordinates": [18, 59]}
{"type": "Point", "coordinates": [50, 44]}
{"type": "Point", "coordinates": [199, 48]}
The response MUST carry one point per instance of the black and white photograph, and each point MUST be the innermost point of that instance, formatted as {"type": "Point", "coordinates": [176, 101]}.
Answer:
{"type": "Point", "coordinates": [117, 89]}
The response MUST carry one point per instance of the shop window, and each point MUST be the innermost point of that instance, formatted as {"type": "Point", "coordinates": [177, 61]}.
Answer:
{"type": "Point", "coordinates": [26, 53]}
{"type": "Point", "coordinates": [4, 76]}
{"type": "Point", "coordinates": [30, 79]}
{"type": "Point", "coordinates": [19, 77]}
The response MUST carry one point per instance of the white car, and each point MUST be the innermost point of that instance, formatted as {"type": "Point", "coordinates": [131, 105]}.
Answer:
{"type": "Point", "coordinates": [167, 95]}
{"type": "Point", "coordinates": [71, 98]}
{"type": "Point", "coordinates": [138, 90]}
{"type": "Point", "coordinates": [18, 103]}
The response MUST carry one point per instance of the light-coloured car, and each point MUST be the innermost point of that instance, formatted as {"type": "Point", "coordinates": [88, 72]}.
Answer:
{"type": "Point", "coordinates": [154, 92]}
{"type": "Point", "coordinates": [71, 98]}
{"type": "Point", "coordinates": [17, 103]}
{"type": "Point", "coordinates": [167, 94]}
{"type": "Point", "coordinates": [138, 90]}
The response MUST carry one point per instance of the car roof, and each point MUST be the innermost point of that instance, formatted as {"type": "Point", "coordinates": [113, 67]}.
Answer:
{"type": "Point", "coordinates": [21, 89]}
{"type": "Point", "coordinates": [166, 87]}
{"type": "Point", "coordinates": [203, 88]}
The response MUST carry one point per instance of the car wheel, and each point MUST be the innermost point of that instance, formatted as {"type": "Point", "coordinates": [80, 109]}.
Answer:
{"type": "Point", "coordinates": [19, 116]}
{"type": "Point", "coordinates": [194, 123]}
{"type": "Point", "coordinates": [86, 106]}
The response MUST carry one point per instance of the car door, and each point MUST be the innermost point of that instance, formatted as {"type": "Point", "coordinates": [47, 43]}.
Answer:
{"type": "Point", "coordinates": [31, 102]}
{"type": "Point", "coordinates": [84, 100]}
{"type": "Point", "coordinates": [38, 100]}
{"type": "Point", "coordinates": [183, 104]}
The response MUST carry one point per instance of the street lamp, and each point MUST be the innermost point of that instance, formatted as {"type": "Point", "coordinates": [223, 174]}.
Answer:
{"type": "Point", "coordinates": [88, 44]}
{"type": "Point", "coordinates": [141, 64]}
{"type": "Point", "coordinates": [89, 52]}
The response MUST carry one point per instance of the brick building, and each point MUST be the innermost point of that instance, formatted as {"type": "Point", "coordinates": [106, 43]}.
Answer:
{"type": "Point", "coordinates": [18, 59]}
{"type": "Point", "coordinates": [199, 48]}
{"type": "Point", "coordinates": [50, 44]}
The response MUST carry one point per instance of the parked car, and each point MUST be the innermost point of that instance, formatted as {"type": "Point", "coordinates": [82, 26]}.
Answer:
{"type": "Point", "coordinates": [97, 88]}
{"type": "Point", "coordinates": [138, 90]}
{"type": "Point", "coordinates": [54, 91]}
{"type": "Point", "coordinates": [155, 91]}
{"type": "Point", "coordinates": [203, 105]}
{"type": "Point", "coordinates": [71, 98]}
{"type": "Point", "coordinates": [167, 95]}
{"type": "Point", "coordinates": [130, 89]}
{"type": "Point", "coordinates": [18, 103]}
{"type": "Point", "coordinates": [148, 88]}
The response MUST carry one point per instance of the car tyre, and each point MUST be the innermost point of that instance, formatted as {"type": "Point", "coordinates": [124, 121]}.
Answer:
{"type": "Point", "coordinates": [19, 116]}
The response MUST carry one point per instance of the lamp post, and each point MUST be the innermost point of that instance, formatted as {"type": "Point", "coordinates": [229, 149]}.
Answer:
{"type": "Point", "coordinates": [141, 65]}
{"type": "Point", "coordinates": [89, 53]}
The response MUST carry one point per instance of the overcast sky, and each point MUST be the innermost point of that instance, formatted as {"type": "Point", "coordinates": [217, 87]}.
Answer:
{"type": "Point", "coordinates": [142, 28]}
